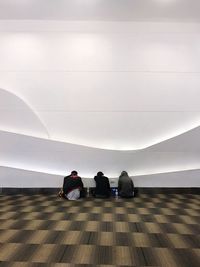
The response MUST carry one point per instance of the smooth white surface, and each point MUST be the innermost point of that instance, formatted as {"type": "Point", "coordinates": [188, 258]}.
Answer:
{"type": "Point", "coordinates": [26, 179]}
{"type": "Point", "coordinates": [61, 51]}
{"type": "Point", "coordinates": [51, 157]}
{"type": "Point", "coordinates": [18, 116]}
{"type": "Point", "coordinates": [101, 87]}
{"type": "Point", "coordinates": [170, 10]}
{"type": "Point", "coordinates": [97, 26]}
{"type": "Point", "coordinates": [117, 90]}
{"type": "Point", "coordinates": [105, 91]}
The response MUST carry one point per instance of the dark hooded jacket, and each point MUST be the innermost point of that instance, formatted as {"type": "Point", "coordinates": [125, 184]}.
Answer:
{"type": "Point", "coordinates": [102, 185]}
{"type": "Point", "coordinates": [125, 185]}
{"type": "Point", "coordinates": [72, 182]}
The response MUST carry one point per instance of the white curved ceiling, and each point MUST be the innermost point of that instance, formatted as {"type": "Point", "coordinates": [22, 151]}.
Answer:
{"type": "Point", "coordinates": [120, 91]}
{"type": "Point", "coordinates": [17, 116]}
{"type": "Point", "coordinates": [26, 178]}
{"type": "Point", "coordinates": [124, 129]}
{"type": "Point", "coordinates": [123, 10]}
{"type": "Point", "coordinates": [181, 153]}
{"type": "Point", "coordinates": [105, 85]}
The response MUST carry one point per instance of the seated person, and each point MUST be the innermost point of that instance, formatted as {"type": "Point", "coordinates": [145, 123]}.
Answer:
{"type": "Point", "coordinates": [102, 189]}
{"type": "Point", "coordinates": [72, 186]}
{"type": "Point", "coordinates": [125, 185]}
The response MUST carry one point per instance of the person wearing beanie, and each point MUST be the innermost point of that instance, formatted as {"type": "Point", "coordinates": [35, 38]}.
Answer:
{"type": "Point", "coordinates": [102, 189]}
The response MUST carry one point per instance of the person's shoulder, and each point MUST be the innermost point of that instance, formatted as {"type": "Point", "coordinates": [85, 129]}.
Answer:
{"type": "Point", "coordinates": [66, 177]}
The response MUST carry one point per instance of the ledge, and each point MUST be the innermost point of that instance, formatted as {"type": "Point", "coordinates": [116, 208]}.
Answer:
{"type": "Point", "coordinates": [142, 190]}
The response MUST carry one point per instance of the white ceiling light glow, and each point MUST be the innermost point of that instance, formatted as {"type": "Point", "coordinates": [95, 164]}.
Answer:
{"type": "Point", "coordinates": [91, 175]}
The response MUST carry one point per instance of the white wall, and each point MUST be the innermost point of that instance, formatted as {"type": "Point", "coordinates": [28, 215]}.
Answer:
{"type": "Point", "coordinates": [114, 86]}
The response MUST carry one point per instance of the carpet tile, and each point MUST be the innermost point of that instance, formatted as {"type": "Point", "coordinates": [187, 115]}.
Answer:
{"type": "Point", "coordinates": [149, 230]}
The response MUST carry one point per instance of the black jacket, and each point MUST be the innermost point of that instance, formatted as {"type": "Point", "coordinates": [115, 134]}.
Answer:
{"type": "Point", "coordinates": [72, 182]}
{"type": "Point", "coordinates": [102, 186]}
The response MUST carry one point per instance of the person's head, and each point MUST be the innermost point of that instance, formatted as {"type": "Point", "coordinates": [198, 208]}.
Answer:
{"type": "Point", "coordinates": [100, 174]}
{"type": "Point", "coordinates": [74, 173]}
{"type": "Point", "coordinates": [124, 173]}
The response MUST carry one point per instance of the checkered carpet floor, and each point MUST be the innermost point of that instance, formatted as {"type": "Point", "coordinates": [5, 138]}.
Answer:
{"type": "Point", "coordinates": [150, 230]}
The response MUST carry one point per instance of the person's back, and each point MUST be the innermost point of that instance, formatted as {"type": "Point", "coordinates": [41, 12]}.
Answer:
{"type": "Point", "coordinates": [72, 186]}
{"type": "Point", "coordinates": [125, 185]}
{"type": "Point", "coordinates": [102, 185]}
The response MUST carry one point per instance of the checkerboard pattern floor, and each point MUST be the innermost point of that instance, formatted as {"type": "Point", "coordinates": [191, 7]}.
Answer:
{"type": "Point", "coordinates": [149, 230]}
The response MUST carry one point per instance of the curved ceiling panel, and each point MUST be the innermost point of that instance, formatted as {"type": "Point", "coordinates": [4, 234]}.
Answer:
{"type": "Point", "coordinates": [15, 177]}
{"type": "Point", "coordinates": [118, 130]}
{"type": "Point", "coordinates": [17, 116]}
{"type": "Point", "coordinates": [59, 158]}
{"type": "Point", "coordinates": [121, 112]}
